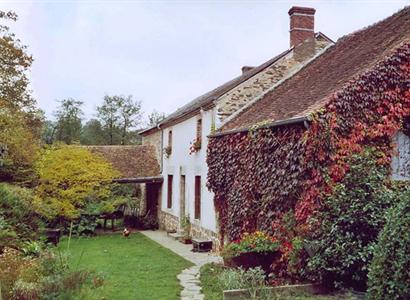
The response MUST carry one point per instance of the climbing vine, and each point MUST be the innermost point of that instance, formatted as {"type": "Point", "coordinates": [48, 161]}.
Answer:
{"type": "Point", "coordinates": [258, 177]}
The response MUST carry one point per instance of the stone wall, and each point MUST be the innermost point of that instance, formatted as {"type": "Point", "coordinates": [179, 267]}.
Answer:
{"type": "Point", "coordinates": [255, 86]}
{"type": "Point", "coordinates": [167, 221]}
{"type": "Point", "coordinates": [155, 140]}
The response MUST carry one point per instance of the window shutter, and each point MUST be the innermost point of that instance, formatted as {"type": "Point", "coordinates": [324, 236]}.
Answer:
{"type": "Point", "coordinates": [169, 195]}
{"type": "Point", "coordinates": [199, 129]}
{"type": "Point", "coordinates": [197, 197]}
{"type": "Point", "coordinates": [170, 139]}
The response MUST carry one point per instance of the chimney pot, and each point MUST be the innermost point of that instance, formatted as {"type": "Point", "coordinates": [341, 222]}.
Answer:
{"type": "Point", "coordinates": [246, 69]}
{"type": "Point", "coordinates": [302, 25]}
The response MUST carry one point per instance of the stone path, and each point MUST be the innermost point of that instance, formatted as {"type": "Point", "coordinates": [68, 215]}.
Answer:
{"type": "Point", "coordinates": [189, 278]}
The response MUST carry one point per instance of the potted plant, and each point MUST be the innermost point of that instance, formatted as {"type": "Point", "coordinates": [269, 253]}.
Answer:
{"type": "Point", "coordinates": [195, 145]}
{"type": "Point", "coordinates": [186, 226]}
{"type": "Point", "coordinates": [253, 250]}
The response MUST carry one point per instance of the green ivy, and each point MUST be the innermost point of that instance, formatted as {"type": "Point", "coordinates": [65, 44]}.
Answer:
{"type": "Point", "coordinates": [350, 220]}
{"type": "Point", "coordinates": [389, 276]}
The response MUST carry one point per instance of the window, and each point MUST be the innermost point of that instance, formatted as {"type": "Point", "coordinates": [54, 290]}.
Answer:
{"type": "Point", "coordinates": [197, 197]}
{"type": "Point", "coordinates": [169, 195]}
{"type": "Point", "coordinates": [199, 129]}
{"type": "Point", "coordinates": [401, 161]}
{"type": "Point", "coordinates": [170, 140]}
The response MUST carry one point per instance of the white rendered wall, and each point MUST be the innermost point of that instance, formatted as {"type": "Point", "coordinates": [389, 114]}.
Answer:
{"type": "Point", "coordinates": [181, 162]}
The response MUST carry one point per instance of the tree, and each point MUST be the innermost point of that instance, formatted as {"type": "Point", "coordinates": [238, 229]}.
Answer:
{"type": "Point", "coordinates": [154, 118]}
{"type": "Point", "coordinates": [48, 135]}
{"type": "Point", "coordinates": [108, 114]}
{"type": "Point", "coordinates": [92, 133]}
{"type": "Point", "coordinates": [119, 115]}
{"type": "Point", "coordinates": [71, 179]}
{"type": "Point", "coordinates": [20, 120]}
{"type": "Point", "coordinates": [14, 64]}
{"type": "Point", "coordinates": [69, 116]}
{"type": "Point", "coordinates": [130, 116]}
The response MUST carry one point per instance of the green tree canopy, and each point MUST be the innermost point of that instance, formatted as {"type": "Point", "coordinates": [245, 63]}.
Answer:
{"type": "Point", "coordinates": [154, 118]}
{"type": "Point", "coordinates": [119, 115]}
{"type": "Point", "coordinates": [92, 133]}
{"type": "Point", "coordinates": [71, 178]}
{"type": "Point", "coordinates": [68, 126]}
{"type": "Point", "coordinates": [20, 120]}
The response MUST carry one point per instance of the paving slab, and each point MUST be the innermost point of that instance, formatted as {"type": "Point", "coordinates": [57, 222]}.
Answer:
{"type": "Point", "coordinates": [188, 278]}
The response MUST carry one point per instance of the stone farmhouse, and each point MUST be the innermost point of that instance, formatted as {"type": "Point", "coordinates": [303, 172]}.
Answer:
{"type": "Point", "coordinates": [181, 139]}
{"type": "Point", "coordinates": [285, 149]}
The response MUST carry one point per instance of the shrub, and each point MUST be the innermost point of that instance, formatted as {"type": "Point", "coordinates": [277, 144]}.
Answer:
{"type": "Point", "coordinates": [71, 178]}
{"type": "Point", "coordinates": [252, 279]}
{"type": "Point", "coordinates": [389, 276]}
{"type": "Point", "coordinates": [32, 248]}
{"type": "Point", "coordinates": [85, 225]}
{"type": "Point", "coordinates": [18, 221]}
{"type": "Point", "coordinates": [349, 223]}
{"type": "Point", "coordinates": [258, 242]}
{"type": "Point", "coordinates": [150, 221]}
{"type": "Point", "coordinates": [43, 277]}
{"type": "Point", "coordinates": [26, 290]}
{"type": "Point", "coordinates": [12, 267]}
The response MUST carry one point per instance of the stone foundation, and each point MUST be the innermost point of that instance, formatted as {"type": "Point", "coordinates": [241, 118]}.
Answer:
{"type": "Point", "coordinates": [167, 221]}
{"type": "Point", "coordinates": [199, 232]}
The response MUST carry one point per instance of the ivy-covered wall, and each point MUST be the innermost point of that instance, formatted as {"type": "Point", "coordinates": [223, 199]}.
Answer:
{"type": "Point", "coordinates": [260, 175]}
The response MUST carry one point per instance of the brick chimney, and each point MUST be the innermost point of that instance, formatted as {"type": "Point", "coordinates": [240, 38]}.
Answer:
{"type": "Point", "coordinates": [302, 24]}
{"type": "Point", "coordinates": [302, 32]}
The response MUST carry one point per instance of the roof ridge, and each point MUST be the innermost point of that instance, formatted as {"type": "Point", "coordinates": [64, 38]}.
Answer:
{"type": "Point", "coordinates": [352, 56]}
{"type": "Point", "coordinates": [397, 13]}
{"type": "Point", "coordinates": [294, 71]}
{"type": "Point", "coordinates": [390, 53]}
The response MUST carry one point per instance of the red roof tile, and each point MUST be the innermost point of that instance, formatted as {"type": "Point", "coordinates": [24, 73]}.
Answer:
{"type": "Point", "coordinates": [131, 161]}
{"type": "Point", "coordinates": [308, 89]}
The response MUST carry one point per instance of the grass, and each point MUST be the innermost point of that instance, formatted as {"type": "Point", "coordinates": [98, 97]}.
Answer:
{"type": "Point", "coordinates": [134, 268]}
{"type": "Point", "coordinates": [213, 290]}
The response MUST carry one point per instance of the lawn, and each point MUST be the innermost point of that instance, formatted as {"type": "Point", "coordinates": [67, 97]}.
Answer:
{"type": "Point", "coordinates": [134, 268]}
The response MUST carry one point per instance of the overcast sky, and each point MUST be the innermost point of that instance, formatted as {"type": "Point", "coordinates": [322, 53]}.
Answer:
{"type": "Point", "coordinates": [164, 53]}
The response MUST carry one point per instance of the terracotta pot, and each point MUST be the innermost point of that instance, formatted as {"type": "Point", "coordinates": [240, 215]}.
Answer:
{"type": "Point", "coordinates": [252, 260]}
{"type": "Point", "coordinates": [187, 240]}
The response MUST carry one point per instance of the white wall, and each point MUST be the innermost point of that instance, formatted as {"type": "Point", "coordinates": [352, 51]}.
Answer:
{"type": "Point", "coordinates": [181, 162]}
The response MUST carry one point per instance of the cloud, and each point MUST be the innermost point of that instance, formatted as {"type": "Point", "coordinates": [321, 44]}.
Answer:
{"type": "Point", "coordinates": [164, 53]}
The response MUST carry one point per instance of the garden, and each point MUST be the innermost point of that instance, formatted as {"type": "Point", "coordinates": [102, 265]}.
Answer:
{"type": "Point", "coordinates": [73, 191]}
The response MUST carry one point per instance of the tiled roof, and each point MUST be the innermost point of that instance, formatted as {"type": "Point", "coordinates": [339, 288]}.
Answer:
{"type": "Point", "coordinates": [130, 161]}
{"type": "Point", "coordinates": [309, 88]}
{"type": "Point", "coordinates": [209, 97]}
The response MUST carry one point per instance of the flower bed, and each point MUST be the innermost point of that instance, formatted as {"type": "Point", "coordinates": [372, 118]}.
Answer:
{"type": "Point", "coordinates": [252, 250]}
